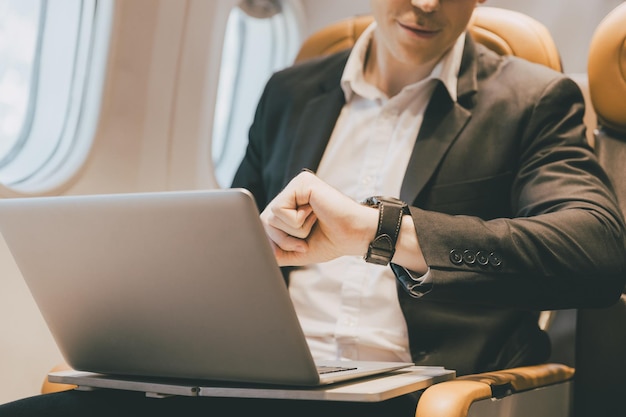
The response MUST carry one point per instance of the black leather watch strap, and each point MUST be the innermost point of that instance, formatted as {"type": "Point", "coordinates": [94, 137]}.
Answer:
{"type": "Point", "coordinates": [390, 211]}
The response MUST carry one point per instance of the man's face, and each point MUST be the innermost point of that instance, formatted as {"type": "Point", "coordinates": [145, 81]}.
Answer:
{"type": "Point", "coordinates": [419, 31]}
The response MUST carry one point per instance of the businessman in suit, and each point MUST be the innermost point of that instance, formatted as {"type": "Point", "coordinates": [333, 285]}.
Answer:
{"type": "Point", "coordinates": [427, 198]}
{"type": "Point", "coordinates": [509, 213]}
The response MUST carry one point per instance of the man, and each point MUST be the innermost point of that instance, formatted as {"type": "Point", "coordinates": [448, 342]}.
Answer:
{"type": "Point", "coordinates": [508, 211]}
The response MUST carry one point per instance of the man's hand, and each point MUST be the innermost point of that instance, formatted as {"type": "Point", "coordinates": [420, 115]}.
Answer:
{"type": "Point", "coordinates": [311, 222]}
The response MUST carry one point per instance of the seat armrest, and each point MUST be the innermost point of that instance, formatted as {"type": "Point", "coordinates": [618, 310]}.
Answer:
{"type": "Point", "coordinates": [454, 398]}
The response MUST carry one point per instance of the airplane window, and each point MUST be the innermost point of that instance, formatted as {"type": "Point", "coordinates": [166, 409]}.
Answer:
{"type": "Point", "coordinates": [261, 37]}
{"type": "Point", "coordinates": [52, 58]}
{"type": "Point", "coordinates": [20, 21]}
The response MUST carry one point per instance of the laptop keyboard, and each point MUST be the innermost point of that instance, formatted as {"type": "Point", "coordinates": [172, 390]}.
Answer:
{"type": "Point", "coordinates": [323, 369]}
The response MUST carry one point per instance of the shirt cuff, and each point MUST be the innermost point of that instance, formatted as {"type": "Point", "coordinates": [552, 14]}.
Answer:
{"type": "Point", "coordinates": [415, 285]}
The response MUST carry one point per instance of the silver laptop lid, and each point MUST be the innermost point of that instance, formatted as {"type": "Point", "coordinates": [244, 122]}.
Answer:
{"type": "Point", "coordinates": [169, 284]}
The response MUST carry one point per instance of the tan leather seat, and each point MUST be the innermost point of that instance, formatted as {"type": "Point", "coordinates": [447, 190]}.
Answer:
{"type": "Point", "coordinates": [504, 31]}
{"type": "Point", "coordinates": [607, 71]}
{"type": "Point", "coordinates": [601, 333]}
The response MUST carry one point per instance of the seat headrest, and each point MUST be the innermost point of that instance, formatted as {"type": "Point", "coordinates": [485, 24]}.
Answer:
{"type": "Point", "coordinates": [334, 37]}
{"type": "Point", "coordinates": [607, 70]}
{"type": "Point", "coordinates": [506, 32]}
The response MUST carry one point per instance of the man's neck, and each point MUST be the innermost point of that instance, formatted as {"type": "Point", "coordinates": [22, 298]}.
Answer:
{"type": "Point", "coordinates": [390, 75]}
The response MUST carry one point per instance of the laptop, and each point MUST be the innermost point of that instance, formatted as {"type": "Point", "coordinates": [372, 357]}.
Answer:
{"type": "Point", "coordinates": [176, 285]}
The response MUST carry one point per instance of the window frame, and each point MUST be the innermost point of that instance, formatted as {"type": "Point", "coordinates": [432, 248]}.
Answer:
{"type": "Point", "coordinates": [229, 138]}
{"type": "Point", "coordinates": [29, 171]}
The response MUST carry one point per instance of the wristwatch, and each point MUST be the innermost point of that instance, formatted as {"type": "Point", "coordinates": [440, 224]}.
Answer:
{"type": "Point", "coordinates": [390, 212]}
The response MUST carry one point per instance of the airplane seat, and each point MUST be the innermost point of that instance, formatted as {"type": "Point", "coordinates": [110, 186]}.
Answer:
{"type": "Point", "coordinates": [600, 382]}
{"type": "Point", "coordinates": [540, 390]}
{"type": "Point", "coordinates": [333, 38]}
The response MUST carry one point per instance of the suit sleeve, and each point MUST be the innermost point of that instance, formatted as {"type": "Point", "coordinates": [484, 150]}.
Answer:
{"type": "Point", "coordinates": [563, 247]}
{"type": "Point", "coordinates": [249, 174]}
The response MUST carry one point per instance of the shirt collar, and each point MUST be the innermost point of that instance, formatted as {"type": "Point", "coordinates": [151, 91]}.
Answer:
{"type": "Point", "coordinates": [353, 80]}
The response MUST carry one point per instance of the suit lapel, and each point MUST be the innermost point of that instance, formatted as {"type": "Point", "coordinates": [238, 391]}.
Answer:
{"type": "Point", "coordinates": [314, 130]}
{"type": "Point", "coordinates": [443, 121]}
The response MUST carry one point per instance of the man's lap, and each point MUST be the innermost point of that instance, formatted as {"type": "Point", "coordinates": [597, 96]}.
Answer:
{"type": "Point", "coordinates": [127, 404]}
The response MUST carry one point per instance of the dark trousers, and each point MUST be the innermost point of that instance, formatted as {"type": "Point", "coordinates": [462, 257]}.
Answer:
{"type": "Point", "coordinates": [131, 404]}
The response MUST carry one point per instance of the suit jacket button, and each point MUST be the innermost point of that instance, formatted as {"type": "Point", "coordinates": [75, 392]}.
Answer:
{"type": "Point", "coordinates": [495, 260]}
{"type": "Point", "coordinates": [456, 257]}
{"type": "Point", "coordinates": [482, 258]}
{"type": "Point", "coordinates": [469, 257]}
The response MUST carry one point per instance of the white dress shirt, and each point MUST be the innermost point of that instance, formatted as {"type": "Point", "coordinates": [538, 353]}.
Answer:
{"type": "Point", "coordinates": [348, 308]}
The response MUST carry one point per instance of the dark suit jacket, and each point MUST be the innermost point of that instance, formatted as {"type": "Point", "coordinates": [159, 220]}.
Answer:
{"type": "Point", "coordinates": [504, 175]}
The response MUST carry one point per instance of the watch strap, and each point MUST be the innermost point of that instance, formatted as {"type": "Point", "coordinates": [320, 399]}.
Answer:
{"type": "Point", "coordinates": [382, 248]}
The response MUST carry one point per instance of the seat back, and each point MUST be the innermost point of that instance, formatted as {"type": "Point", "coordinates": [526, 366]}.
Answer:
{"type": "Point", "coordinates": [506, 32]}
{"type": "Point", "coordinates": [601, 333]}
